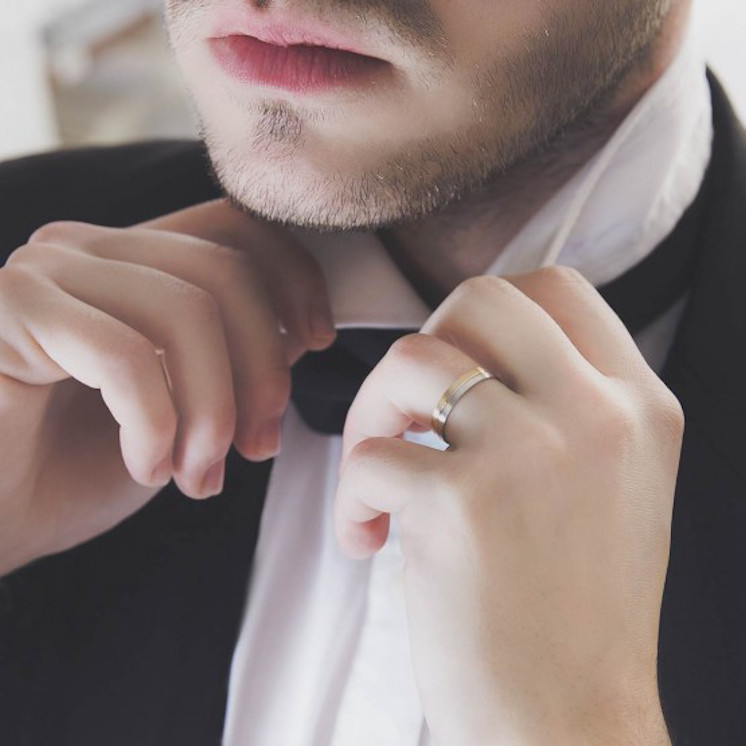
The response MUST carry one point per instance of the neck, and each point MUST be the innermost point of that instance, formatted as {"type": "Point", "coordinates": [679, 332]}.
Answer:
{"type": "Point", "coordinates": [439, 252]}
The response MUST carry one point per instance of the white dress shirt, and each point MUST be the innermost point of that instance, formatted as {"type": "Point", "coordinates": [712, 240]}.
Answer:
{"type": "Point", "coordinates": [323, 654]}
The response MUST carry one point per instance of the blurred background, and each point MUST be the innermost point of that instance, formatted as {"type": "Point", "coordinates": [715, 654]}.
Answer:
{"type": "Point", "coordinates": [99, 71]}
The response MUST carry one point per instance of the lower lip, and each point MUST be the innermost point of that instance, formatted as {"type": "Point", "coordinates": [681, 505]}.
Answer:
{"type": "Point", "coordinates": [298, 68]}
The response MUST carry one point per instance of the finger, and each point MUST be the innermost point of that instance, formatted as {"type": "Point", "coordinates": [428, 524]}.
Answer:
{"type": "Point", "coordinates": [183, 321]}
{"type": "Point", "coordinates": [294, 348]}
{"type": "Point", "coordinates": [586, 319]}
{"type": "Point", "coordinates": [65, 337]}
{"type": "Point", "coordinates": [297, 287]}
{"type": "Point", "coordinates": [406, 386]}
{"type": "Point", "coordinates": [196, 220]}
{"type": "Point", "coordinates": [294, 277]}
{"type": "Point", "coordinates": [259, 358]}
{"type": "Point", "coordinates": [382, 476]}
{"type": "Point", "coordinates": [512, 336]}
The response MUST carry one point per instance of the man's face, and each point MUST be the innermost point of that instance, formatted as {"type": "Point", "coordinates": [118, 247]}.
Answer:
{"type": "Point", "coordinates": [462, 90]}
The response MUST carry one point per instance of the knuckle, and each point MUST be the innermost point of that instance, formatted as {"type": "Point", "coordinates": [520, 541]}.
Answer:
{"type": "Point", "coordinates": [30, 254]}
{"type": "Point", "coordinates": [669, 414]}
{"type": "Point", "coordinates": [218, 428]}
{"type": "Point", "coordinates": [562, 275]}
{"type": "Point", "coordinates": [14, 279]}
{"type": "Point", "coordinates": [410, 347]}
{"type": "Point", "coordinates": [615, 424]}
{"type": "Point", "coordinates": [17, 289]}
{"type": "Point", "coordinates": [85, 237]}
{"type": "Point", "coordinates": [58, 230]}
{"type": "Point", "coordinates": [610, 418]}
{"type": "Point", "coordinates": [479, 286]}
{"type": "Point", "coordinates": [17, 257]}
{"type": "Point", "coordinates": [67, 232]}
{"type": "Point", "coordinates": [364, 453]}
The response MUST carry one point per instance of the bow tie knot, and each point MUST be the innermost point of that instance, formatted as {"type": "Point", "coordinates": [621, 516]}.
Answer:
{"type": "Point", "coordinates": [325, 383]}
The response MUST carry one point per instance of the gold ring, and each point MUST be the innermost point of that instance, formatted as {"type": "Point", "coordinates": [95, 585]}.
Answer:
{"type": "Point", "coordinates": [452, 395]}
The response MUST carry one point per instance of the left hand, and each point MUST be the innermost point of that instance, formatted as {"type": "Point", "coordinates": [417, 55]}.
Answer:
{"type": "Point", "coordinates": [536, 545]}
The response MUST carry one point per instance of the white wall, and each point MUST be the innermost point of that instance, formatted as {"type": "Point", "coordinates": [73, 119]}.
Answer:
{"type": "Point", "coordinates": [26, 123]}
{"type": "Point", "coordinates": [721, 25]}
{"type": "Point", "coordinates": [25, 114]}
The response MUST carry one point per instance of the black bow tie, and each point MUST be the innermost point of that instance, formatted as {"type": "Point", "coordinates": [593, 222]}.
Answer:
{"type": "Point", "coordinates": [325, 383]}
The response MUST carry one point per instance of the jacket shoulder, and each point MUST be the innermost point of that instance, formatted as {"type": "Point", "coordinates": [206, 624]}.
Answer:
{"type": "Point", "coordinates": [112, 185]}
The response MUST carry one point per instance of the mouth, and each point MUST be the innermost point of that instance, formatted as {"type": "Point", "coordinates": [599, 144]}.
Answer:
{"type": "Point", "coordinates": [295, 54]}
{"type": "Point", "coordinates": [303, 67]}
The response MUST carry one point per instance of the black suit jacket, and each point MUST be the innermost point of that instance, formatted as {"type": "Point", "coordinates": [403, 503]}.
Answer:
{"type": "Point", "coordinates": [127, 639]}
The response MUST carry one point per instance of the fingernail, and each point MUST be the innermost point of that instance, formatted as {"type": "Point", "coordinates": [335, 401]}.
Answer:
{"type": "Point", "coordinates": [322, 324]}
{"type": "Point", "coordinates": [268, 438]}
{"type": "Point", "coordinates": [212, 483]}
{"type": "Point", "coordinates": [162, 473]}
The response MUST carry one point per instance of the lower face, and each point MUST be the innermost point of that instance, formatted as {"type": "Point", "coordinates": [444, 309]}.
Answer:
{"type": "Point", "coordinates": [439, 98]}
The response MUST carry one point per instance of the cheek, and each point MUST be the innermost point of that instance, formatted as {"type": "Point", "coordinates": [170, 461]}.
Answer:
{"type": "Point", "coordinates": [481, 31]}
{"type": "Point", "coordinates": [490, 40]}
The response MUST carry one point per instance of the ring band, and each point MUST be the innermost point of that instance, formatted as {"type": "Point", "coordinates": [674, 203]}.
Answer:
{"type": "Point", "coordinates": [452, 395]}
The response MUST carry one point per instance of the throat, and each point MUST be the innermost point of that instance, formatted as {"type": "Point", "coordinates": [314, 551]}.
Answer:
{"type": "Point", "coordinates": [435, 269]}
{"type": "Point", "coordinates": [437, 254]}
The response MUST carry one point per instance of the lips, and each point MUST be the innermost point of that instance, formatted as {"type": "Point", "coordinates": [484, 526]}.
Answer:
{"type": "Point", "coordinates": [298, 67]}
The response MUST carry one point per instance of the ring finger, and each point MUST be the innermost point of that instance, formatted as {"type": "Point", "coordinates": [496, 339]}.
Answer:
{"type": "Point", "coordinates": [406, 385]}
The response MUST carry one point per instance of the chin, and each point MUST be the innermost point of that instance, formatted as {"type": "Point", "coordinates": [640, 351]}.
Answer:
{"type": "Point", "coordinates": [289, 192]}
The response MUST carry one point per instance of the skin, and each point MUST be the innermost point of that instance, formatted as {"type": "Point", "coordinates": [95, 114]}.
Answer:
{"type": "Point", "coordinates": [489, 107]}
{"type": "Point", "coordinates": [125, 357]}
{"type": "Point", "coordinates": [536, 544]}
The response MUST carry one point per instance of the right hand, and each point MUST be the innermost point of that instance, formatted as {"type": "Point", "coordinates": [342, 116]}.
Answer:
{"type": "Point", "coordinates": [177, 323]}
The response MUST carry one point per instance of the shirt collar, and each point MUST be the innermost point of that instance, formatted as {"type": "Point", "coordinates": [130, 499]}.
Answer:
{"type": "Point", "coordinates": [632, 194]}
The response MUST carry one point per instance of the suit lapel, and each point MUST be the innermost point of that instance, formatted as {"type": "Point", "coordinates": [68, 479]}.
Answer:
{"type": "Point", "coordinates": [702, 644]}
{"type": "Point", "coordinates": [128, 639]}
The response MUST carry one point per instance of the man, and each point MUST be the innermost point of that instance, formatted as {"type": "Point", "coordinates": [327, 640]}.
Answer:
{"type": "Point", "coordinates": [434, 142]}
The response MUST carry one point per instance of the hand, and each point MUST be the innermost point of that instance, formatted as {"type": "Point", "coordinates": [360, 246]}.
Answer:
{"type": "Point", "coordinates": [536, 545]}
{"type": "Point", "coordinates": [132, 356]}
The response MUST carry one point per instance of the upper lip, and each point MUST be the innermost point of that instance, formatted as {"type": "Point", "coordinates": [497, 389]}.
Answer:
{"type": "Point", "coordinates": [286, 31]}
